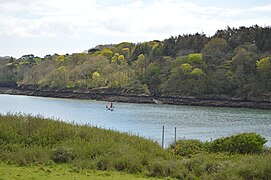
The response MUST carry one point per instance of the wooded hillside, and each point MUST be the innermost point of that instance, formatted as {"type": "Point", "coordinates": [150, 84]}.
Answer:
{"type": "Point", "coordinates": [233, 62]}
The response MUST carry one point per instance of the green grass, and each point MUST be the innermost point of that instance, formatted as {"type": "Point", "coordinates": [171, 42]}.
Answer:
{"type": "Point", "coordinates": [53, 149]}
{"type": "Point", "coordinates": [28, 140]}
{"type": "Point", "coordinates": [58, 172]}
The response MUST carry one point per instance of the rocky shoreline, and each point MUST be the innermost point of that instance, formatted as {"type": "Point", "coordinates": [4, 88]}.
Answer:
{"type": "Point", "coordinates": [106, 95]}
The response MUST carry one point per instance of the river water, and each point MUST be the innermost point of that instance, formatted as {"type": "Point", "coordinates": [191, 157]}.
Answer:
{"type": "Point", "coordinates": [191, 122]}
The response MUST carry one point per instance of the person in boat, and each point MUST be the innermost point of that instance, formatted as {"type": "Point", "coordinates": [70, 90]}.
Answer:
{"type": "Point", "coordinates": [111, 107]}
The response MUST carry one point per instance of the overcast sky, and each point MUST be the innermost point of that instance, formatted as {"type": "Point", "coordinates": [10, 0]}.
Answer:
{"type": "Point", "coordinates": [45, 27]}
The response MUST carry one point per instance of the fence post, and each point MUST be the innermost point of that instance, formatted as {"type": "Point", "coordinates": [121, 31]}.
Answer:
{"type": "Point", "coordinates": [175, 137]}
{"type": "Point", "coordinates": [163, 136]}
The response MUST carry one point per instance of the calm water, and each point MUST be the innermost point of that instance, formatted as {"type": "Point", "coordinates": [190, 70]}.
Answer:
{"type": "Point", "coordinates": [146, 120]}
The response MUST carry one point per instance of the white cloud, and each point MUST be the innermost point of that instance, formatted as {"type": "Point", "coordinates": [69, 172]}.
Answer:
{"type": "Point", "coordinates": [266, 8]}
{"type": "Point", "coordinates": [138, 20]}
{"type": "Point", "coordinates": [49, 18]}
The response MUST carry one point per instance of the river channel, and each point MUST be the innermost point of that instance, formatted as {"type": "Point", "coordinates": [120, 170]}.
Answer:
{"type": "Point", "coordinates": [147, 120]}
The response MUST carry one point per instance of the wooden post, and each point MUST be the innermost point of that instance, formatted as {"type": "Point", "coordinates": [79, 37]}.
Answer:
{"type": "Point", "coordinates": [175, 137]}
{"type": "Point", "coordinates": [163, 136]}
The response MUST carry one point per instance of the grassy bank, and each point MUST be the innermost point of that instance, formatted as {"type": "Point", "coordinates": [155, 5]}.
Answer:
{"type": "Point", "coordinates": [38, 142]}
{"type": "Point", "coordinates": [59, 172]}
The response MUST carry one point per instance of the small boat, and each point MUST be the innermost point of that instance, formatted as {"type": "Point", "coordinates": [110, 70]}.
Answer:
{"type": "Point", "coordinates": [111, 107]}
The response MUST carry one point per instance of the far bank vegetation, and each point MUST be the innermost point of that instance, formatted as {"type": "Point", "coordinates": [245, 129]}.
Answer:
{"type": "Point", "coordinates": [233, 62]}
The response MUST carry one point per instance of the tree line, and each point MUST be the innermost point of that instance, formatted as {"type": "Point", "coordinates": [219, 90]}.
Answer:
{"type": "Point", "coordinates": [233, 62]}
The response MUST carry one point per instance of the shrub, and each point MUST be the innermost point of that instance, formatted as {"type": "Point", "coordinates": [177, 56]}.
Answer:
{"type": "Point", "coordinates": [255, 168]}
{"type": "Point", "coordinates": [121, 164]}
{"type": "Point", "coordinates": [267, 150]}
{"type": "Point", "coordinates": [187, 147]}
{"type": "Point", "coordinates": [241, 143]}
{"type": "Point", "coordinates": [25, 156]}
{"type": "Point", "coordinates": [157, 169]}
{"type": "Point", "coordinates": [176, 169]}
{"type": "Point", "coordinates": [193, 165]}
{"type": "Point", "coordinates": [104, 164]}
{"type": "Point", "coordinates": [205, 163]}
{"type": "Point", "coordinates": [62, 155]}
{"type": "Point", "coordinates": [135, 168]}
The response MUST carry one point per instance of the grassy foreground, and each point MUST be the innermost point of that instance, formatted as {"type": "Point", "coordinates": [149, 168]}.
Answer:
{"type": "Point", "coordinates": [39, 148]}
{"type": "Point", "coordinates": [59, 172]}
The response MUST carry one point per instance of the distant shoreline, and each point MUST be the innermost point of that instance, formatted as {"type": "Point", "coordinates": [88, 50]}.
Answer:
{"type": "Point", "coordinates": [107, 96]}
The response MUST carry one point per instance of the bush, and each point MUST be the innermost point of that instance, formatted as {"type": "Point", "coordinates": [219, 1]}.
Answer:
{"type": "Point", "coordinates": [84, 164]}
{"type": "Point", "coordinates": [241, 143]}
{"type": "Point", "coordinates": [62, 155]}
{"type": "Point", "coordinates": [104, 164]}
{"type": "Point", "coordinates": [267, 150]}
{"type": "Point", "coordinates": [255, 168]}
{"type": "Point", "coordinates": [157, 169]}
{"type": "Point", "coordinates": [121, 164]}
{"type": "Point", "coordinates": [26, 156]}
{"type": "Point", "coordinates": [187, 147]}
{"type": "Point", "coordinates": [177, 169]}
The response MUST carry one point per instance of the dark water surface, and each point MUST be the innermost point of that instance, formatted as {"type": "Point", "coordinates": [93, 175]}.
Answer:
{"type": "Point", "coordinates": [146, 120]}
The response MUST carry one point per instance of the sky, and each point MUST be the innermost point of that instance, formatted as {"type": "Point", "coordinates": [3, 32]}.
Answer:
{"type": "Point", "coordinates": [42, 27]}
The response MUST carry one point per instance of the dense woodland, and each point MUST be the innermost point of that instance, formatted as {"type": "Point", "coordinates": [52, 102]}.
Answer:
{"type": "Point", "coordinates": [233, 62]}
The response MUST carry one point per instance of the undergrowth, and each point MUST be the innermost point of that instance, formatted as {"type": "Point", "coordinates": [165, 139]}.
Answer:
{"type": "Point", "coordinates": [29, 140]}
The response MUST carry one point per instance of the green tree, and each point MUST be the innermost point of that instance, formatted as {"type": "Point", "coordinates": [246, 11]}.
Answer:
{"type": "Point", "coordinates": [60, 58]}
{"type": "Point", "coordinates": [152, 78]}
{"type": "Point", "coordinates": [185, 81]}
{"type": "Point", "coordinates": [195, 57]}
{"type": "Point", "coordinates": [196, 60]}
{"type": "Point", "coordinates": [197, 81]}
{"type": "Point", "coordinates": [97, 79]}
{"type": "Point", "coordinates": [215, 51]}
{"type": "Point", "coordinates": [197, 72]}
{"type": "Point", "coordinates": [126, 52]}
{"type": "Point", "coordinates": [186, 68]}
{"type": "Point", "coordinates": [264, 70]}
{"type": "Point", "coordinates": [156, 51]}
{"type": "Point", "coordinates": [264, 66]}
{"type": "Point", "coordinates": [107, 53]}
{"type": "Point", "coordinates": [244, 68]}
{"type": "Point", "coordinates": [121, 60]}
{"type": "Point", "coordinates": [115, 58]}
{"type": "Point", "coordinates": [140, 66]}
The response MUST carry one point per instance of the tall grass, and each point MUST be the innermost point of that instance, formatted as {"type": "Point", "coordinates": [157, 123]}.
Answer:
{"type": "Point", "coordinates": [26, 139]}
